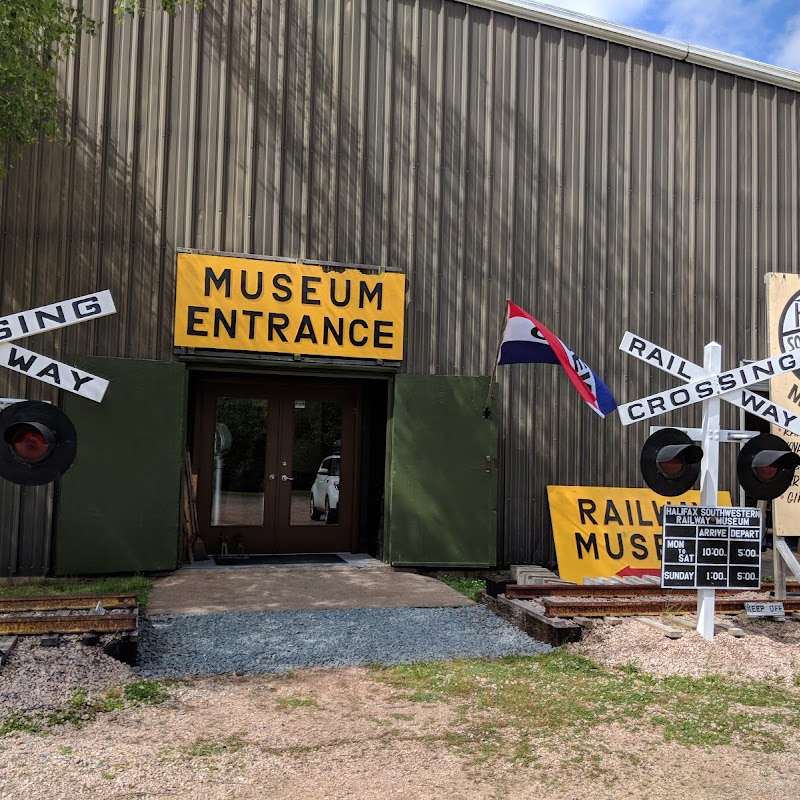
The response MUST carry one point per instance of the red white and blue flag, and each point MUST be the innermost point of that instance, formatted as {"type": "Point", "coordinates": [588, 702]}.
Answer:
{"type": "Point", "coordinates": [527, 341]}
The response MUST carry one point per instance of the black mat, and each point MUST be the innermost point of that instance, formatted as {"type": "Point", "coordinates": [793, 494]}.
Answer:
{"type": "Point", "coordinates": [324, 558]}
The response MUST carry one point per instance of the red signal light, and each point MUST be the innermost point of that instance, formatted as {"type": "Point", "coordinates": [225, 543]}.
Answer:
{"type": "Point", "coordinates": [672, 468]}
{"type": "Point", "coordinates": [29, 442]}
{"type": "Point", "coordinates": [766, 473]}
{"type": "Point", "coordinates": [37, 443]}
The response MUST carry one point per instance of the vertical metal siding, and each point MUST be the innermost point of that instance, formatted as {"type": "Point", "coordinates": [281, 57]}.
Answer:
{"type": "Point", "coordinates": [603, 188]}
{"type": "Point", "coordinates": [25, 529]}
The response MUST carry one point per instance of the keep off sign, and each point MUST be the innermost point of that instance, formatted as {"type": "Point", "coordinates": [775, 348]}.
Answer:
{"type": "Point", "coordinates": [711, 548]}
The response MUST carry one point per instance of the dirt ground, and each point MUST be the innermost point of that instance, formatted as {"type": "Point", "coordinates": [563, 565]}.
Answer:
{"type": "Point", "coordinates": [342, 734]}
{"type": "Point", "coordinates": [255, 737]}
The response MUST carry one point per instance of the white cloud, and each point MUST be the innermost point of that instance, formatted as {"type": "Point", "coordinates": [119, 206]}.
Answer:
{"type": "Point", "coordinates": [787, 53]}
{"type": "Point", "coordinates": [726, 25]}
{"type": "Point", "coordinates": [756, 29]}
{"type": "Point", "coordinates": [623, 12]}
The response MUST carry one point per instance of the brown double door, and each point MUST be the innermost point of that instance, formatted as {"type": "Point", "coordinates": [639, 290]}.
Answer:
{"type": "Point", "coordinates": [276, 464]}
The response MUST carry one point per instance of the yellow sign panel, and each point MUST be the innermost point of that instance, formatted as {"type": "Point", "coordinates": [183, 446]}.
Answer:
{"type": "Point", "coordinates": [603, 532]}
{"type": "Point", "coordinates": [235, 303]}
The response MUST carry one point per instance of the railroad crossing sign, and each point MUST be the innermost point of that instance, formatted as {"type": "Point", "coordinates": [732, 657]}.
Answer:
{"type": "Point", "coordinates": [702, 384]}
{"type": "Point", "coordinates": [48, 318]}
{"type": "Point", "coordinates": [709, 384]}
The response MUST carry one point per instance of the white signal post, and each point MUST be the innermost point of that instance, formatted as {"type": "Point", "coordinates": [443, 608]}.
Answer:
{"type": "Point", "coordinates": [709, 480]}
{"type": "Point", "coordinates": [709, 384]}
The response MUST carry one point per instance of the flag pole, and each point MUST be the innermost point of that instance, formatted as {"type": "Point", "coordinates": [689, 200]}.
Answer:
{"type": "Point", "coordinates": [486, 408]}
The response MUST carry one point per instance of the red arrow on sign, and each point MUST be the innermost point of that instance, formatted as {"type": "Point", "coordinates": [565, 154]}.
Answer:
{"type": "Point", "coordinates": [625, 571]}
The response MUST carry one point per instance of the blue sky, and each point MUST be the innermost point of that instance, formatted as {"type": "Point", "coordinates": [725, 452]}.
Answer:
{"type": "Point", "coordinates": [763, 30]}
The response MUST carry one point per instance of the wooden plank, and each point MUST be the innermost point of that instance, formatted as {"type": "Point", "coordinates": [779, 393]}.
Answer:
{"type": "Point", "coordinates": [733, 630]}
{"type": "Point", "coordinates": [189, 529]}
{"type": "Point", "coordinates": [670, 633]}
{"type": "Point", "coordinates": [690, 622]}
{"type": "Point", "coordinates": [537, 625]}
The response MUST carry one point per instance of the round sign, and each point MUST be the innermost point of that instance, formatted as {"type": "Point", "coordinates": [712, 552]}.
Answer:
{"type": "Point", "coordinates": [789, 327]}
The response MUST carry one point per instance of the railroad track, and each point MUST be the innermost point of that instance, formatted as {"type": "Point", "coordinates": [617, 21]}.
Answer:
{"type": "Point", "coordinates": [643, 606]}
{"type": "Point", "coordinates": [66, 601]}
{"type": "Point", "coordinates": [624, 600]}
{"type": "Point", "coordinates": [535, 591]}
{"type": "Point", "coordinates": [49, 616]}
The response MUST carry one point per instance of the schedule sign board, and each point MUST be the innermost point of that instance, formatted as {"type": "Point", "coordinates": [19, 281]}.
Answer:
{"type": "Point", "coordinates": [711, 548]}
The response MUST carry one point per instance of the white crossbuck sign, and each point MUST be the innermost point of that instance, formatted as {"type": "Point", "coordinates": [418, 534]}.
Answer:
{"type": "Point", "coordinates": [48, 318]}
{"type": "Point", "coordinates": [729, 385]}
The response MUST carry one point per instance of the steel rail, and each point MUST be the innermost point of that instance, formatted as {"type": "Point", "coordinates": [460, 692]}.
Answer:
{"type": "Point", "coordinates": [66, 601]}
{"type": "Point", "coordinates": [529, 591]}
{"type": "Point", "coordinates": [84, 623]}
{"type": "Point", "coordinates": [600, 607]}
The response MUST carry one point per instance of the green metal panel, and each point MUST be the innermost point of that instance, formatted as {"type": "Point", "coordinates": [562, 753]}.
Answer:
{"type": "Point", "coordinates": [120, 500]}
{"type": "Point", "coordinates": [442, 490]}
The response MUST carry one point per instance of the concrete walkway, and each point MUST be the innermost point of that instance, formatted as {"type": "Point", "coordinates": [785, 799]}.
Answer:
{"type": "Point", "coordinates": [271, 588]}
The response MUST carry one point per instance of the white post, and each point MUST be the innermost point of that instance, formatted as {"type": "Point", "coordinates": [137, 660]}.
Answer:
{"type": "Point", "coordinates": [709, 478]}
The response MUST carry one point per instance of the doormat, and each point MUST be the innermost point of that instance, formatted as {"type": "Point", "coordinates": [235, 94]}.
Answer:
{"type": "Point", "coordinates": [303, 558]}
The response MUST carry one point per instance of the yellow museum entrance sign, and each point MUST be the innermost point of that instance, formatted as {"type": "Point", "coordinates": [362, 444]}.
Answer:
{"type": "Point", "coordinates": [234, 303]}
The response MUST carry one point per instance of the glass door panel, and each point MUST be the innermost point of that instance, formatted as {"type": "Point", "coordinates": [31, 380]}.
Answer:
{"type": "Point", "coordinates": [277, 461]}
{"type": "Point", "coordinates": [240, 446]}
{"type": "Point", "coordinates": [316, 455]}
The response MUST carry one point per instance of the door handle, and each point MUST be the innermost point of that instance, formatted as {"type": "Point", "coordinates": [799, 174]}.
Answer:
{"type": "Point", "coordinates": [286, 478]}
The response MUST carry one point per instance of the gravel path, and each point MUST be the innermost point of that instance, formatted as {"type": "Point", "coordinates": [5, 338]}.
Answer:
{"type": "Point", "coordinates": [279, 641]}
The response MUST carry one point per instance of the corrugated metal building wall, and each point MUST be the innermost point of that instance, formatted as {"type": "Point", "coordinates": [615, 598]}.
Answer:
{"type": "Point", "coordinates": [600, 186]}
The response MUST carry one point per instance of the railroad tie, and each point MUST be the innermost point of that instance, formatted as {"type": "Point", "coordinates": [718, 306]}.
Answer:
{"type": "Point", "coordinates": [6, 643]}
{"type": "Point", "coordinates": [670, 633]}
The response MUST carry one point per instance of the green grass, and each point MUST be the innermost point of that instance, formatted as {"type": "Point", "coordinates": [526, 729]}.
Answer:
{"type": "Point", "coordinates": [530, 699]}
{"type": "Point", "coordinates": [466, 586]}
{"type": "Point", "coordinates": [133, 584]}
{"type": "Point", "coordinates": [205, 746]}
{"type": "Point", "coordinates": [147, 693]}
{"type": "Point", "coordinates": [297, 702]}
{"type": "Point", "coordinates": [81, 708]}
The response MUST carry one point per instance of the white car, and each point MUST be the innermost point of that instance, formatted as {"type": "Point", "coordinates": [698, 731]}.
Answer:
{"type": "Point", "coordinates": [325, 490]}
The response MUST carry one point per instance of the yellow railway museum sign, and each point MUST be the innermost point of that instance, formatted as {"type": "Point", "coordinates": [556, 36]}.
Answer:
{"type": "Point", "coordinates": [603, 532]}
{"type": "Point", "coordinates": [234, 303]}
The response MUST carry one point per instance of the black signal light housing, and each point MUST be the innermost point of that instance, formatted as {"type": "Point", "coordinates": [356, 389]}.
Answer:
{"type": "Point", "coordinates": [766, 466]}
{"type": "Point", "coordinates": [38, 443]}
{"type": "Point", "coordinates": [670, 462]}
